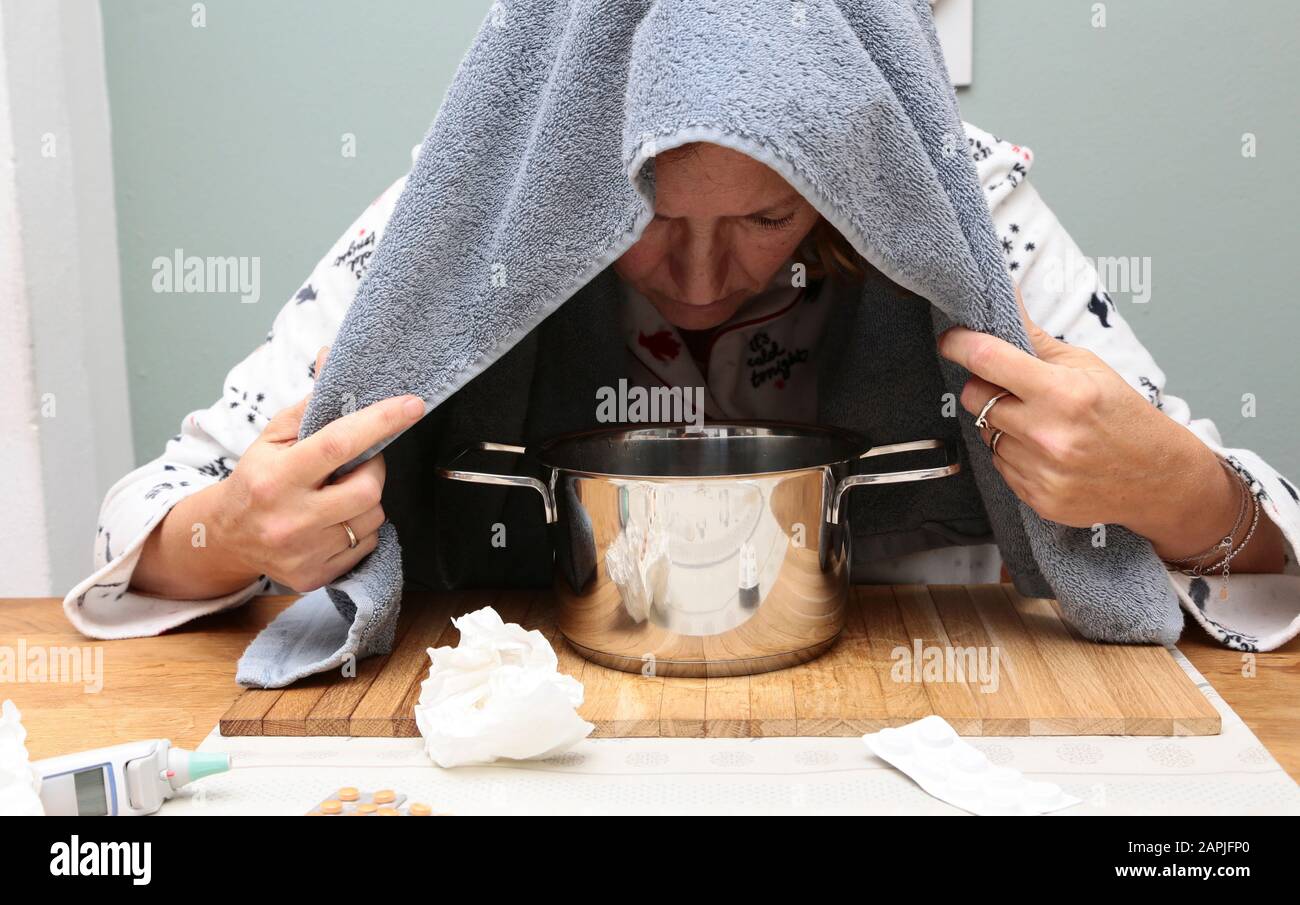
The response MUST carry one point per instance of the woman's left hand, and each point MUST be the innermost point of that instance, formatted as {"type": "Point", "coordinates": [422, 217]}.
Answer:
{"type": "Point", "coordinates": [1080, 445]}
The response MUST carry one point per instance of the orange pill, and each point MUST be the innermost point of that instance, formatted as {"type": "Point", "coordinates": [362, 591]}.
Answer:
{"type": "Point", "coordinates": [366, 807]}
{"type": "Point", "coordinates": [348, 793]}
{"type": "Point", "coordinates": [384, 796]}
{"type": "Point", "coordinates": [419, 809]}
{"type": "Point", "coordinates": [331, 807]}
{"type": "Point", "coordinates": [387, 812]}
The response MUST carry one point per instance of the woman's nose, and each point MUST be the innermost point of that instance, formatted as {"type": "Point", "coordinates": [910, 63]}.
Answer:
{"type": "Point", "coordinates": [699, 267]}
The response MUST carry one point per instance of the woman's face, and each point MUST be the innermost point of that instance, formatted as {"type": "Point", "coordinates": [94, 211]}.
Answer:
{"type": "Point", "coordinates": [724, 223]}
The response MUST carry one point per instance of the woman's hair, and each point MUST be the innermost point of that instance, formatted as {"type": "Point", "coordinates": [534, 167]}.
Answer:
{"type": "Point", "coordinates": [828, 254]}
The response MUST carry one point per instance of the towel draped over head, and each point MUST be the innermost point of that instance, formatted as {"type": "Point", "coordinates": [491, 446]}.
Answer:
{"type": "Point", "coordinates": [538, 172]}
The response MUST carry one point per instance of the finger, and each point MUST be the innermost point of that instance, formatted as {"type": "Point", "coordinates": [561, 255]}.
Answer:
{"type": "Point", "coordinates": [287, 421]}
{"type": "Point", "coordinates": [357, 491]}
{"type": "Point", "coordinates": [1011, 449]}
{"type": "Point", "coordinates": [1008, 413]}
{"type": "Point", "coordinates": [1006, 460]}
{"type": "Point", "coordinates": [362, 525]}
{"type": "Point", "coordinates": [342, 441]}
{"type": "Point", "coordinates": [342, 563]}
{"type": "Point", "coordinates": [1044, 343]}
{"type": "Point", "coordinates": [997, 361]}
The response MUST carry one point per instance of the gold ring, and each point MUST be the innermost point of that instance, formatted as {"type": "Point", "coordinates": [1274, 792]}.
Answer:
{"type": "Point", "coordinates": [982, 420]}
{"type": "Point", "coordinates": [352, 538]}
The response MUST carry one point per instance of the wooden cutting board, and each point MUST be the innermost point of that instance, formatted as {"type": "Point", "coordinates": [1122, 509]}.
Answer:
{"type": "Point", "coordinates": [891, 666]}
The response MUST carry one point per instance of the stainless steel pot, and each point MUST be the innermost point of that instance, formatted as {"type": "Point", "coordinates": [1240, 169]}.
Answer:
{"type": "Point", "coordinates": [712, 551]}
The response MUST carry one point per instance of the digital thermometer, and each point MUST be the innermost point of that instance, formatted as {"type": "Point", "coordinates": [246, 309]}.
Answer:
{"type": "Point", "coordinates": [132, 779]}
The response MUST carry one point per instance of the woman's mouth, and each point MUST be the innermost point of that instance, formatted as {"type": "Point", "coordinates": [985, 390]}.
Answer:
{"type": "Point", "coordinates": [691, 316]}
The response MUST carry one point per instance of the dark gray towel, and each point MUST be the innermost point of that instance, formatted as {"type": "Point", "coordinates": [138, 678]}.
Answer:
{"type": "Point", "coordinates": [538, 172]}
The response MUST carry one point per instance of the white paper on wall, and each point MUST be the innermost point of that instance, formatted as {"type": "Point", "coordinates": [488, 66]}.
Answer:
{"type": "Point", "coordinates": [953, 19]}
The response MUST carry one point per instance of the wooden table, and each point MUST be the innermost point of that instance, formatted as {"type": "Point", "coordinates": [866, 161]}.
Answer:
{"type": "Point", "coordinates": [178, 685]}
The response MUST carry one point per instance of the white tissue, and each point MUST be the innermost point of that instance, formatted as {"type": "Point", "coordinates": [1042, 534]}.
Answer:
{"type": "Point", "coordinates": [497, 694]}
{"type": "Point", "coordinates": [933, 756]}
{"type": "Point", "coordinates": [20, 784]}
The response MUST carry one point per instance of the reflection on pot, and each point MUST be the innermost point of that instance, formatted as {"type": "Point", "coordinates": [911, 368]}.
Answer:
{"type": "Point", "coordinates": [711, 576]}
{"type": "Point", "coordinates": [638, 559]}
{"type": "Point", "coordinates": [720, 537]}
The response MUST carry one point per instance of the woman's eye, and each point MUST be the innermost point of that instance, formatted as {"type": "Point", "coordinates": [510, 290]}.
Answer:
{"type": "Point", "coordinates": [772, 223]}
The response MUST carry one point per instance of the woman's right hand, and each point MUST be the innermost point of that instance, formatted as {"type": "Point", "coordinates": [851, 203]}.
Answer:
{"type": "Point", "coordinates": [277, 514]}
{"type": "Point", "coordinates": [282, 518]}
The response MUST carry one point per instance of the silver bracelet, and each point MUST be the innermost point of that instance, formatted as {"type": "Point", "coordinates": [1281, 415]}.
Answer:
{"type": "Point", "coordinates": [1200, 570]}
{"type": "Point", "coordinates": [1226, 542]}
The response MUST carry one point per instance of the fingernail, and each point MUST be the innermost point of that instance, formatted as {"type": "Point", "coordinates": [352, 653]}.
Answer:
{"type": "Point", "coordinates": [413, 407]}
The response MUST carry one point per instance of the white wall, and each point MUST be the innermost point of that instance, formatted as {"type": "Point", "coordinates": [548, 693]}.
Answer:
{"type": "Point", "coordinates": [22, 531]}
{"type": "Point", "coordinates": [64, 413]}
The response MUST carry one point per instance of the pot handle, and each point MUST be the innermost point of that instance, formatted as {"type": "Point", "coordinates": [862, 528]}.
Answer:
{"type": "Point", "coordinates": [952, 466]}
{"type": "Point", "coordinates": [447, 470]}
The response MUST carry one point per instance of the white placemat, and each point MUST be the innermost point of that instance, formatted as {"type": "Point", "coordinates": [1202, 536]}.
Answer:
{"type": "Point", "coordinates": [1230, 773]}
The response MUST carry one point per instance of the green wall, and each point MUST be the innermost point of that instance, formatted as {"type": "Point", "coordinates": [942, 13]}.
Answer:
{"type": "Point", "coordinates": [226, 141]}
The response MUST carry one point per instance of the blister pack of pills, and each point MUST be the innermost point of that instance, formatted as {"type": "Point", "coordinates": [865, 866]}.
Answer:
{"type": "Point", "coordinates": [350, 801]}
{"type": "Point", "coordinates": [931, 753]}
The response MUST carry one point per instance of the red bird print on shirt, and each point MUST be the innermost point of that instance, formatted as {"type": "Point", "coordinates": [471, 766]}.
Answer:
{"type": "Point", "coordinates": [662, 344]}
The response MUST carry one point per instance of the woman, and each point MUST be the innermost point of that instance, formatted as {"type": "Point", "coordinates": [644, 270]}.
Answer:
{"type": "Point", "coordinates": [724, 290]}
{"type": "Point", "coordinates": [712, 269]}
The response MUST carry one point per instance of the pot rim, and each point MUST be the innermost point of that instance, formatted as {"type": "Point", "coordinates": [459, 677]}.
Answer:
{"type": "Point", "coordinates": [854, 444]}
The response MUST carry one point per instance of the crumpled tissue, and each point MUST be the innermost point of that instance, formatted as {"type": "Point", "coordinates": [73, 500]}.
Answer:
{"type": "Point", "coordinates": [20, 784]}
{"type": "Point", "coordinates": [497, 694]}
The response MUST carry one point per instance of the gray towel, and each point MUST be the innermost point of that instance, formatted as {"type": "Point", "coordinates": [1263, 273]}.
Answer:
{"type": "Point", "coordinates": [538, 172]}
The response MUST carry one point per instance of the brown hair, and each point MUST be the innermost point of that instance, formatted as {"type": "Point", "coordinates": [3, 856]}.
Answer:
{"type": "Point", "coordinates": [828, 254]}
